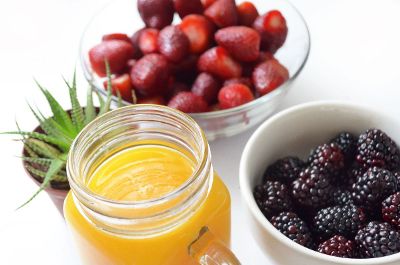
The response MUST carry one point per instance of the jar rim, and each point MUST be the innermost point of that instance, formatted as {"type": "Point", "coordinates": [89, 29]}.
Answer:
{"type": "Point", "coordinates": [204, 160]}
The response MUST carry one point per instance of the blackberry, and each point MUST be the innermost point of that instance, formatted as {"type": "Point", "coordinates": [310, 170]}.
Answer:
{"type": "Point", "coordinates": [349, 177]}
{"type": "Point", "coordinates": [286, 169]}
{"type": "Point", "coordinates": [391, 210]}
{"type": "Point", "coordinates": [397, 176]}
{"type": "Point", "coordinates": [327, 157]}
{"type": "Point", "coordinates": [338, 246]}
{"type": "Point", "coordinates": [347, 142]}
{"type": "Point", "coordinates": [373, 186]}
{"type": "Point", "coordinates": [289, 224]}
{"type": "Point", "coordinates": [313, 188]}
{"type": "Point", "coordinates": [342, 197]}
{"type": "Point", "coordinates": [377, 240]}
{"type": "Point", "coordinates": [375, 148]}
{"type": "Point", "coordinates": [339, 220]}
{"type": "Point", "coordinates": [272, 197]}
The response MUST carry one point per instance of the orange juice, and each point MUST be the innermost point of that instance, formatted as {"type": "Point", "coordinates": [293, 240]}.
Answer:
{"type": "Point", "coordinates": [138, 174]}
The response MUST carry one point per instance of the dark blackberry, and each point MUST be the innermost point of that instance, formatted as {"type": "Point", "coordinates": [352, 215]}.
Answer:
{"type": "Point", "coordinates": [338, 246]}
{"type": "Point", "coordinates": [391, 210]}
{"type": "Point", "coordinates": [347, 142]}
{"type": "Point", "coordinates": [285, 170]}
{"type": "Point", "coordinates": [397, 176]}
{"type": "Point", "coordinates": [342, 197]}
{"type": "Point", "coordinates": [289, 224]}
{"type": "Point", "coordinates": [377, 240]}
{"type": "Point", "coordinates": [313, 188]}
{"type": "Point", "coordinates": [375, 148]}
{"type": "Point", "coordinates": [327, 157]}
{"type": "Point", "coordinates": [373, 186]}
{"type": "Point", "coordinates": [349, 177]}
{"type": "Point", "coordinates": [272, 197]}
{"type": "Point", "coordinates": [339, 220]}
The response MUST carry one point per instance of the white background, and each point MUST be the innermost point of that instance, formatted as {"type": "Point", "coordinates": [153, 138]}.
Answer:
{"type": "Point", "coordinates": [354, 56]}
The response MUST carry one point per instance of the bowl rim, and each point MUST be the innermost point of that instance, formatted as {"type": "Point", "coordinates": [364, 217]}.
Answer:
{"type": "Point", "coordinates": [247, 194]}
{"type": "Point", "coordinates": [202, 115]}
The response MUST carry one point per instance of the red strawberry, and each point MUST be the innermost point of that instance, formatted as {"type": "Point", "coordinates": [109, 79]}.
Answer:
{"type": "Point", "coordinates": [206, 86]}
{"type": "Point", "coordinates": [173, 43]}
{"type": "Point", "coordinates": [157, 100]}
{"type": "Point", "coordinates": [240, 41]}
{"type": "Point", "coordinates": [122, 84]}
{"type": "Point", "coordinates": [186, 7]}
{"type": "Point", "coordinates": [156, 13]}
{"type": "Point", "coordinates": [207, 3]}
{"type": "Point", "coordinates": [150, 74]}
{"type": "Point", "coordinates": [116, 36]}
{"type": "Point", "coordinates": [188, 102]}
{"type": "Point", "coordinates": [199, 30]}
{"type": "Point", "coordinates": [223, 13]}
{"type": "Point", "coordinates": [135, 42]}
{"type": "Point", "coordinates": [234, 95]}
{"type": "Point", "coordinates": [130, 63]}
{"type": "Point", "coordinates": [273, 30]}
{"type": "Point", "coordinates": [247, 13]}
{"type": "Point", "coordinates": [217, 61]}
{"type": "Point", "coordinates": [269, 75]}
{"type": "Point", "coordinates": [241, 80]}
{"type": "Point", "coordinates": [116, 52]}
{"type": "Point", "coordinates": [148, 41]}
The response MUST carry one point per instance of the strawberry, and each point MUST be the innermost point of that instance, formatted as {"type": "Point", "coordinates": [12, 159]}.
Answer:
{"type": "Point", "coordinates": [206, 86]}
{"type": "Point", "coordinates": [249, 67]}
{"type": "Point", "coordinates": [156, 13]}
{"type": "Point", "coordinates": [273, 30]}
{"type": "Point", "coordinates": [150, 74]}
{"type": "Point", "coordinates": [186, 70]}
{"type": "Point", "coordinates": [135, 42]}
{"type": "Point", "coordinates": [247, 13]}
{"type": "Point", "coordinates": [116, 36]}
{"type": "Point", "coordinates": [199, 30]}
{"type": "Point", "coordinates": [173, 43]}
{"type": "Point", "coordinates": [223, 13]}
{"type": "Point", "coordinates": [130, 63]}
{"type": "Point", "coordinates": [157, 100]}
{"type": "Point", "coordinates": [217, 61]}
{"type": "Point", "coordinates": [148, 41]}
{"type": "Point", "coordinates": [241, 80]}
{"type": "Point", "coordinates": [188, 102]}
{"type": "Point", "coordinates": [269, 75]}
{"type": "Point", "coordinates": [116, 52]}
{"type": "Point", "coordinates": [240, 41]}
{"type": "Point", "coordinates": [234, 95]}
{"type": "Point", "coordinates": [187, 7]}
{"type": "Point", "coordinates": [207, 3]}
{"type": "Point", "coordinates": [123, 85]}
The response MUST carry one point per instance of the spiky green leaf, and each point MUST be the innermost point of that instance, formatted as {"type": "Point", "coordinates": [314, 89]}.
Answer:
{"type": "Point", "coordinates": [77, 115]}
{"type": "Point", "coordinates": [37, 160]}
{"type": "Point", "coordinates": [55, 166]}
{"type": "Point", "coordinates": [90, 111]}
{"type": "Point", "coordinates": [43, 137]}
{"type": "Point", "coordinates": [59, 114]}
{"type": "Point", "coordinates": [105, 107]}
{"type": "Point", "coordinates": [41, 148]}
{"type": "Point", "coordinates": [60, 177]}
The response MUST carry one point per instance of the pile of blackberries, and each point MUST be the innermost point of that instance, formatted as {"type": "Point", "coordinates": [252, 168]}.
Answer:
{"type": "Point", "coordinates": [343, 201]}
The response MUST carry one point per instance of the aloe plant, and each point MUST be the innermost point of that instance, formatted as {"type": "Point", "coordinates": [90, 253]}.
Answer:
{"type": "Point", "coordinates": [46, 153]}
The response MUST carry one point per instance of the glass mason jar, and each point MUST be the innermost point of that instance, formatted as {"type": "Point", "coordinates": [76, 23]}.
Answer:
{"type": "Point", "coordinates": [190, 225]}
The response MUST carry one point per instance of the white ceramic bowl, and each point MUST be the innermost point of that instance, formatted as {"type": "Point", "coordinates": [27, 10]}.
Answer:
{"type": "Point", "coordinates": [294, 132]}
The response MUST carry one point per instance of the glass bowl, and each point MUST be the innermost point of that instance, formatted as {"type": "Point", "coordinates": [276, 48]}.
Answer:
{"type": "Point", "coordinates": [122, 16]}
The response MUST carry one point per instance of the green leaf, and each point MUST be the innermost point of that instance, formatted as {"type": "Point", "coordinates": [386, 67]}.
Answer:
{"type": "Point", "coordinates": [50, 127]}
{"type": "Point", "coordinates": [76, 111]}
{"type": "Point", "coordinates": [119, 103]}
{"type": "Point", "coordinates": [67, 135]}
{"type": "Point", "coordinates": [90, 111]}
{"type": "Point", "coordinates": [30, 152]}
{"type": "Point", "coordinates": [60, 177]}
{"type": "Point", "coordinates": [41, 148]}
{"type": "Point", "coordinates": [43, 137]}
{"type": "Point", "coordinates": [55, 166]}
{"type": "Point", "coordinates": [59, 114]}
{"type": "Point", "coordinates": [37, 160]}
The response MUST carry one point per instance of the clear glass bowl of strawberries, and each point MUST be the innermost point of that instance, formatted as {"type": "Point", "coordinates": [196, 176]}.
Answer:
{"type": "Point", "coordinates": [226, 63]}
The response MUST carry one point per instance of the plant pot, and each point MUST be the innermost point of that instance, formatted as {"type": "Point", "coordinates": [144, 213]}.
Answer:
{"type": "Point", "coordinates": [57, 191]}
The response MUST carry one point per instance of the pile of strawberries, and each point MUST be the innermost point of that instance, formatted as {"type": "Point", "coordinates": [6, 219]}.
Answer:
{"type": "Point", "coordinates": [220, 55]}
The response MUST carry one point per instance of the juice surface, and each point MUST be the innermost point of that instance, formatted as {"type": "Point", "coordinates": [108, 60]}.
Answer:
{"type": "Point", "coordinates": [142, 173]}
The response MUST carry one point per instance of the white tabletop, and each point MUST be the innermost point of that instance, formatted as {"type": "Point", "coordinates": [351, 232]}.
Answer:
{"type": "Point", "coordinates": [354, 56]}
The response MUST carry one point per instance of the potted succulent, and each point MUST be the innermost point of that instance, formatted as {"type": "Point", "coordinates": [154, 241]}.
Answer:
{"type": "Point", "coordinates": [46, 147]}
